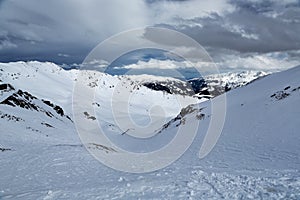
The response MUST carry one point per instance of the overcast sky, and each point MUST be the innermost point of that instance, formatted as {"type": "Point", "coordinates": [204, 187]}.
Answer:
{"type": "Point", "coordinates": [238, 34]}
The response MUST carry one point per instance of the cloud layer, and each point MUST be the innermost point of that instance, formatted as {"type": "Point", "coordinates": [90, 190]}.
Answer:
{"type": "Point", "coordinates": [236, 33]}
{"type": "Point", "coordinates": [268, 62]}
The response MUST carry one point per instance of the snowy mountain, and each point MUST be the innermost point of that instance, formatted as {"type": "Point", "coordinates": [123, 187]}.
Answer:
{"type": "Point", "coordinates": [45, 89]}
{"type": "Point", "coordinates": [218, 83]}
{"type": "Point", "coordinates": [167, 84]}
{"type": "Point", "coordinates": [206, 87]}
{"type": "Point", "coordinates": [42, 157]}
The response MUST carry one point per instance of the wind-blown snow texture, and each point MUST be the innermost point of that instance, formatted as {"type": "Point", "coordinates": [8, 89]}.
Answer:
{"type": "Point", "coordinates": [41, 156]}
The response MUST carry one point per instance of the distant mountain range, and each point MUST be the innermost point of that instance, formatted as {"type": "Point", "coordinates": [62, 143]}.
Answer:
{"type": "Point", "coordinates": [207, 87]}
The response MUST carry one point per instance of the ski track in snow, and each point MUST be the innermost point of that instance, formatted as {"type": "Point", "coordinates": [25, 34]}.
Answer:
{"type": "Point", "coordinates": [69, 172]}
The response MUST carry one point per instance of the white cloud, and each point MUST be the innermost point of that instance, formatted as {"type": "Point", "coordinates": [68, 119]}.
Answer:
{"type": "Point", "coordinates": [278, 2]}
{"type": "Point", "coordinates": [264, 62]}
{"type": "Point", "coordinates": [167, 11]}
{"type": "Point", "coordinates": [158, 64]}
{"type": "Point", "coordinates": [63, 55]}
{"type": "Point", "coordinates": [234, 28]}
{"type": "Point", "coordinates": [6, 44]}
{"type": "Point", "coordinates": [269, 62]}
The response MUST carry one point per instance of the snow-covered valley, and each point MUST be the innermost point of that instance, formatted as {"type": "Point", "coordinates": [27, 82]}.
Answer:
{"type": "Point", "coordinates": [42, 157]}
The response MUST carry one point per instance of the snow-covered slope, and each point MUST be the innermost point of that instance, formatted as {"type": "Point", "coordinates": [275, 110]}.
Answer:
{"type": "Point", "coordinates": [26, 118]}
{"type": "Point", "coordinates": [256, 157]}
{"type": "Point", "coordinates": [262, 125]}
{"type": "Point", "coordinates": [45, 80]}
{"type": "Point", "coordinates": [35, 87]}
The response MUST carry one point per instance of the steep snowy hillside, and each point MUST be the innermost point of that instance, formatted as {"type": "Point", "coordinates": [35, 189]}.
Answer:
{"type": "Point", "coordinates": [256, 157]}
{"type": "Point", "coordinates": [26, 118]}
{"type": "Point", "coordinates": [261, 129]}
{"type": "Point", "coordinates": [44, 80]}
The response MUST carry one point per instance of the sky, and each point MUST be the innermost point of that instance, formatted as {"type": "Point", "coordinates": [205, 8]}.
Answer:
{"type": "Point", "coordinates": [237, 34]}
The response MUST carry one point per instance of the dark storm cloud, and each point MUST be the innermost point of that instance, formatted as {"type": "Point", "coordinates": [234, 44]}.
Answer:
{"type": "Point", "coordinates": [1, 1]}
{"type": "Point", "coordinates": [27, 34]}
{"type": "Point", "coordinates": [62, 31]}
{"type": "Point", "coordinates": [247, 29]}
{"type": "Point", "coordinates": [65, 31]}
{"type": "Point", "coordinates": [155, 1]}
{"type": "Point", "coordinates": [260, 6]}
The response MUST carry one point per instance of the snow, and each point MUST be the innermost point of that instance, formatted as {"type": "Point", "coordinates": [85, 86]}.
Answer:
{"type": "Point", "coordinates": [260, 132]}
{"type": "Point", "coordinates": [233, 79]}
{"type": "Point", "coordinates": [45, 80]}
{"type": "Point", "coordinates": [256, 157]}
{"type": "Point", "coordinates": [151, 78]}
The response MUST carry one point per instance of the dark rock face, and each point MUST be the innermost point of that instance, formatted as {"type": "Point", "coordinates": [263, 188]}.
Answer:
{"type": "Point", "coordinates": [282, 94]}
{"type": "Point", "coordinates": [191, 87]}
{"type": "Point", "coordinates": [21, 99]}
{"type": "Point", "coordinates": [180, 119]}
{"type": "Point", "coordinates": [57, 108]}
{"type": "Point", "coordinates": [47, 125]}
{"type": "Point", "coordinates": [48, 103]}
{"type": "Point", "coordinates": [88, 116]}
{"type": "Point", "coordinates": [204, 92]}
{"type": "Point", "coordinates": [157, 87]}
{"type": "Point", "coordinates": [6, 87]}
{"type": "Point", "coordinates": [197, 85]}
{"type": "Point", "coordinates": [27, 101]}
{"type": "Point", "coordinates": [9, 117]}
{"type": "Point", "coordinates": [5, 149]}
